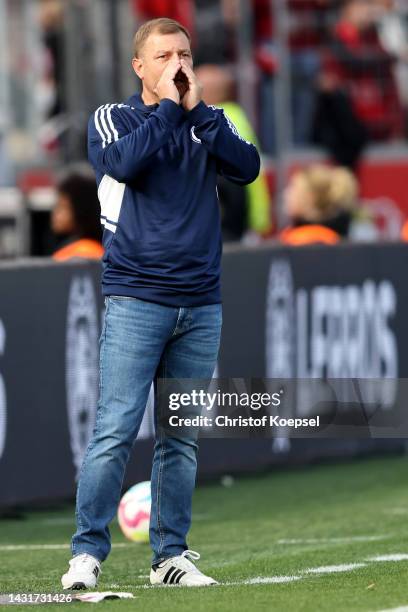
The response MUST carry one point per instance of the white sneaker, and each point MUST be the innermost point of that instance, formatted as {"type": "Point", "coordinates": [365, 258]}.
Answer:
{"type": "Point", "coordinates": [83, 573]}
{"type": "Point", "coordinates": [179, 570]}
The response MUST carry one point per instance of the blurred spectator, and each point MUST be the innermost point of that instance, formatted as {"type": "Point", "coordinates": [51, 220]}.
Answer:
{"type": "Point", "coordinates": [307, 35]}
{"type": "Point", "coordinates": [75, 219]}
{"type": "Point", "coordinates": [307, 31]}
{"type": "Point", "coordinates": [215, 25]}
{"type": "Point", "coordinates": [404, 232]}
{"type": "Point", "coordinates": [51, 13]}
{"type": "Point", "coordinates": [319, 202]}
{"type": "Point", "coordinates": [210, 23]}
{"type": "Point", "coordinates": [336, 126]}
{"type": "Point", "coordinates": [242, 208]}
{"type": "Point", "coordinates": [182, 11]}
{"type": "Point", "coordinates": [50, 87]}
{"type": "Point", "coordinates": [393, 30]}
{"type": "Point", "coordinates": [6, 167]}
{"type": "Point", "coordinates": [359, 95]}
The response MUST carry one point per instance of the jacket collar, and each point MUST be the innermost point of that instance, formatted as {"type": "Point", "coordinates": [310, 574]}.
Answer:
{"type": "Point", "coordinates": [136, 101]}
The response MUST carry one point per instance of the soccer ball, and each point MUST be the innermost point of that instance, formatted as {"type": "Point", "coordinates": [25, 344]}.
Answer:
{"type": "Point", "coordinates": [134, 512]}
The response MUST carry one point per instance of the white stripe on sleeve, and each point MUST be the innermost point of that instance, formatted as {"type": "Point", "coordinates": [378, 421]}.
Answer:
{"type": "Point", "coordinates": [110, 122]}
{"type": "Point", "coordinates": [104, 126]}
{"type": "Point", "coordinates": [98, 125]}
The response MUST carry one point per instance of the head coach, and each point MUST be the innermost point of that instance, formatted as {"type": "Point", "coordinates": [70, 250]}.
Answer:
{"type": "Point", "coordinates": [156, 159]}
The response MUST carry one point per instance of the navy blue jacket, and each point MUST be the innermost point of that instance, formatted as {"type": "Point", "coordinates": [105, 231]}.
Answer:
{"type": "Point", "coordinates": [156, 169]}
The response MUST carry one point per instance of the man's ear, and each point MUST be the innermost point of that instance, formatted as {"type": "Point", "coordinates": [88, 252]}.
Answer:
{"type": "Point", "coordinates": [138, 67]}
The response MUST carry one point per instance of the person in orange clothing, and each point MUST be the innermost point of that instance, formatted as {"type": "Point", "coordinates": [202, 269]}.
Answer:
{"type": "Point", "coordinates": [319, 202]}
{"type": "Point", "coordinates": [75, 219]}
{"type": "Point", "coordinates": [404, 231]}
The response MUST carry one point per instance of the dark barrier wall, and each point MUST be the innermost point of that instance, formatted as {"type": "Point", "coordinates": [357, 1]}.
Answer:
{"type": "Point", "coordinates": [316, 311]}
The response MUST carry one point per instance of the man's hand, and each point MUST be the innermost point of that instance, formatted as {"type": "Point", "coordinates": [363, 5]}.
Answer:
{"type": "Point", "coordinates": [194, 92]}
{"type": "Point", "coordinates": [166, 87]}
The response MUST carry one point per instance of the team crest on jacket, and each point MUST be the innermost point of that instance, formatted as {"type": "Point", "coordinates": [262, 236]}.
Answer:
{"type": "Point", "coordinates": [194, 138]}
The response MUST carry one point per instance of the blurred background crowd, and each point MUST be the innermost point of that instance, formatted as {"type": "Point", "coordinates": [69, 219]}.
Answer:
{"type": "Point", "coordinates": [320, 85]}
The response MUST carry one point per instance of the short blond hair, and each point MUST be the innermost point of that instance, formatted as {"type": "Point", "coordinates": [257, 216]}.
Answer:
{"type": "Point", "coordinates": [162, 25]}
{"type": "Point", "coordinates": [333, 189]}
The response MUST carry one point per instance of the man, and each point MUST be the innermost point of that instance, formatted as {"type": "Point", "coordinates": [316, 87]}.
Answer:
{"type": "Point", "coordinates": [156, 159]}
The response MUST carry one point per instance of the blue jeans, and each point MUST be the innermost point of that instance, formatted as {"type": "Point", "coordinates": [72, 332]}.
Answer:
{"type": "Point", "coordinates": [140, 342]}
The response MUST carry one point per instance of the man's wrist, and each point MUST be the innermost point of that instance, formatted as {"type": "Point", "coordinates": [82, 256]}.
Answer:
{"type": "Point", "coordinates": [170, 111]}
{"type": "Point", "coordinates": [170, 99]}
{"type": "Point", "coordinates": [199, 113]}
{"type": "Point", "coordinates": [195, 106]}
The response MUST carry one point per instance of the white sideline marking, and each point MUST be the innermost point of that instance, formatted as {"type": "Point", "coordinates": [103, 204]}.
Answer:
{"type": "Point", "coordinates": [400, 609]}
{"type": "Point", "coordinates": [268, 580]}
{"type": "Point", "coordinates": [334, 540]}
{"type": "Point", "coordinates": [396, 557]}
{"type": "Point", "coordinates": [8, 547]}
{"type": "Point", "coordinates": [319, 571]}
{"type": "Point", "coordinates": [315, 571]}
{"type": "Point", "coordinates": [333, 569]}
{"type": "Point", "coordinates": [397, 510]}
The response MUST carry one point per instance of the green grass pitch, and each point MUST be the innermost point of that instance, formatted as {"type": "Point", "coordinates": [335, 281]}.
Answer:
{"type": "Point", "coordinates": [328, 537]}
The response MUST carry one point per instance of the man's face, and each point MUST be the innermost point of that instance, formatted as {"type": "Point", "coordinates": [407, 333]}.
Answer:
{"type": "Point", "coordinates": [157, 52]}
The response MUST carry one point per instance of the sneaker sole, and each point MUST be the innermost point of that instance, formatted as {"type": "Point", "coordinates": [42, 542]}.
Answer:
{"type": "Point", "coordinates": [184, 586]}
{"type": "Point", "coordinates": [76, 586]}
{"type": "Point", "coordinates": [192, 586]}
